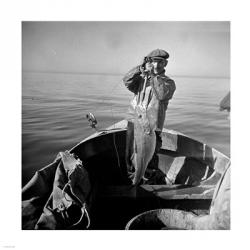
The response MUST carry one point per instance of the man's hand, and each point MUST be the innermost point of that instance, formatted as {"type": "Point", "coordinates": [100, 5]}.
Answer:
{"type": "Point", "coordinates": [149, 68]}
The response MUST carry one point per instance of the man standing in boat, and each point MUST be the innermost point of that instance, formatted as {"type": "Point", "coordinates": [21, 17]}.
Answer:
{"type": "Point", "coordinates": [151, 88]}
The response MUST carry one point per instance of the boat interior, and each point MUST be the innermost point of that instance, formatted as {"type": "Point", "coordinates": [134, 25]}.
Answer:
{"type": "Point", "coordinates": [192, 168]}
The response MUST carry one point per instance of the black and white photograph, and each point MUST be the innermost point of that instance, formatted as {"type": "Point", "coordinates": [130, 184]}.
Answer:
{"type": "Point", "coordinates": [126, 125]}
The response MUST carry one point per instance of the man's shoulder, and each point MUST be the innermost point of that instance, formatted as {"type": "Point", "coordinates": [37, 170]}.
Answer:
{"type": "Point", "coordinates": [167, 79]}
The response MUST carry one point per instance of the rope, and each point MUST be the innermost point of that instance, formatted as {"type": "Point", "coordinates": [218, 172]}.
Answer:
{"type": "Point", "coordinates": [64, 193]}
{"type": "Point", "coordinates": [84, 211]}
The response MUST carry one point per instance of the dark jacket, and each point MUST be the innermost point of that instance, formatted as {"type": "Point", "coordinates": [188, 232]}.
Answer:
{"type": "Point", "coordinates": [159, 90]}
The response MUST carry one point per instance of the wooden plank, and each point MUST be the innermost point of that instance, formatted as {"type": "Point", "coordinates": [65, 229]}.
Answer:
{"type": "Point", "coordinates": [181, 192]}
{"type": "Point", "coordinates": [173, 192]}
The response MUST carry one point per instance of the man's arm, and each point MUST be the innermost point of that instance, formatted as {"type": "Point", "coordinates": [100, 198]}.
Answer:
{"type": "Point", "coordinates": [132, 79]}
{"type": "Point", "coordinates": [163, 88]}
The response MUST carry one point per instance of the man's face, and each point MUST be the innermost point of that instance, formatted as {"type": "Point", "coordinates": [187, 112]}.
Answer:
{"type": "Point", "coordinates": [158, 65]}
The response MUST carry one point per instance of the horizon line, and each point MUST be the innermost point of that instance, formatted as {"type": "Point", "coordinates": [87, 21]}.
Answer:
{"type": "Point", "coordinates": [115, 74]}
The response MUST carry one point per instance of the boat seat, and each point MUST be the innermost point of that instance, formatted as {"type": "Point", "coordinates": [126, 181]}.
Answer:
{"type": "Point", "coordinates": [166, 192]}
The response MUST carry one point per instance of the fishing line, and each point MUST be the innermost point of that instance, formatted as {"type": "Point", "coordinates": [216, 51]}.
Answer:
{"type": "Point", "coordinates": [113, 117]}
{"type": "Point", "coordinates": [111, 108]}
{"type": "Point", "coordinates": [117, 154]}
{"type": "Point", "coordinates": [116, 150]}
{"type": "Point", "coordinates": [103, 99]}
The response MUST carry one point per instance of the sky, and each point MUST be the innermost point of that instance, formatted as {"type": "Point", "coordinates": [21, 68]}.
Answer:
{"type": "Point", "coordinates": [195, 48]}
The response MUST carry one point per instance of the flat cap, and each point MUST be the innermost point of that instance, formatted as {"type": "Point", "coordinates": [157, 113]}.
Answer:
{"type": "Point", "coordinates": [158, 54]}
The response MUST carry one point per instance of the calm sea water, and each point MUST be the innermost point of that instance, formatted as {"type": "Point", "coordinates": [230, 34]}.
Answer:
{"type": "Point", "coordinates": [54, 107]}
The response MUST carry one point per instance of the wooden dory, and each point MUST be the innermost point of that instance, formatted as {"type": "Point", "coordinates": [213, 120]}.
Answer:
{"type": "Point", "coordinates": [192, 167]}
